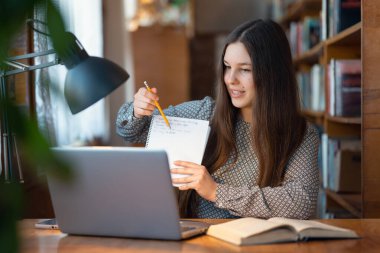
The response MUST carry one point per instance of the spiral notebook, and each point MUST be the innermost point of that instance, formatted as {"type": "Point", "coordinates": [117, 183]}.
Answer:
{"type": "Point", "coordinates": [186, 139]}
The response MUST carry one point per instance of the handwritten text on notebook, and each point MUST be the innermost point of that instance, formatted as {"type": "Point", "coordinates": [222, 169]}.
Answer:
{"type": "Point", "coordinates": [185, 140]}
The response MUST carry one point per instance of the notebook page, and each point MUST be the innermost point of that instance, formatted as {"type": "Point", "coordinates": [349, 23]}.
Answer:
{"type": "Point", "coordinates": [185, 140]}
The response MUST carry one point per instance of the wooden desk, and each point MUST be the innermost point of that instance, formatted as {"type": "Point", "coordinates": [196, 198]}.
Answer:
{"type": "Point", "coordinates": [38, 240]}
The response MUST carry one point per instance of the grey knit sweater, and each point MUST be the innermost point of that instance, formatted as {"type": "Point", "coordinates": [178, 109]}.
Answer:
{"type": "Point", "coordinates": [238, 194]}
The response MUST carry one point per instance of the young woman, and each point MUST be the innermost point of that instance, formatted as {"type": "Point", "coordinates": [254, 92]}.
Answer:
{"type": "Point", "coordinates": [261, 156]}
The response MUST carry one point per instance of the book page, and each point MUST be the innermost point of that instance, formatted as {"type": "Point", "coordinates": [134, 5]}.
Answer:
{"type": "Point", "coordinates": [300, 225]}
{"type": "Point", "coordinates": [186, 139]}
{"type": "Point", "coordinates": [244, 227]}
{"type": "Point", "coordinates": [245, 231]}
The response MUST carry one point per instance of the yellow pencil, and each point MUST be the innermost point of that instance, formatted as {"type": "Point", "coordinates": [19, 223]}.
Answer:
{"type": "Point", "coordinates": [158, 105]}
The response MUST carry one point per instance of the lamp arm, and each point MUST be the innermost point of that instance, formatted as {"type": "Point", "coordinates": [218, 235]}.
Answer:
{"type": "Point", "coordinates": [21, 67]}
{"type": "Point", "coordinates": [7, 138]}
{"type": "Point", "coordinates": [32, 55]}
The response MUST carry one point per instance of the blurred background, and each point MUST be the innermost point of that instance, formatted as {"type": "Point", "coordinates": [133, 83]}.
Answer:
{"type": "Point", "coordinates": [172, 44]}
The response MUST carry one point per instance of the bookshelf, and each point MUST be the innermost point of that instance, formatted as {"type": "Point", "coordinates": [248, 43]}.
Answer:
{"type": "Point", "coordinates": [299, 9]}
{"type": "Point", "coordinates": [344, 45]}
{"type": "Point", "coordinates": [349, 37]}
{"type": "Point", "coordinates": [350, 202]}
{"type": "Point", "coordinates": [342, 126]}
{"type": "Point", "coordinates": [314, 117]}
{"type": "Point", "coordinates": [309, 57]}
{"type": "Point", "coordinates": [356, 42]}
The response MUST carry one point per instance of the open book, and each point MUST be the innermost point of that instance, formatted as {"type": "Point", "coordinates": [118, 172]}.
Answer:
{"type": "Point", "coordinates": [246, 231]}
{"type": "Point", "coordinates": [186, 139]}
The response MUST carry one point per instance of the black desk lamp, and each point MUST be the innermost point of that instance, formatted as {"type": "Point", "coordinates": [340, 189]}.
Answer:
{"type": "Point", "coordinates": [88, 80]}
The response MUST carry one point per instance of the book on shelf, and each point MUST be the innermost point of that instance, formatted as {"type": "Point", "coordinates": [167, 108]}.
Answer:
{"type": "Point", "coordinates": [324, 20]}
{"type": "Point", "coordinates": [294, 32]}
{"type": "Point", "coordinates": [338, 15]}
{"type": "Point", "coordinates": [303, 80]}
{"type": "Point", "coordinates": [329, 209]}
{"type": "Point", "coordinates": [246, 231]}
{"type": "Point", "coordinates": [348, 87]}
{"type": "Point", "coordinates": [341, 164]}
{"type": "Point", "coordinates": [330, 88]}
{"type": "Point", "coordinates": [312, 89]}
{"type": "Point", "coordinates": [317, 88]}
{"type": "Point", "coordinates": [346, 14]}
{"type": "Point", "coordinates": [344, 87]}
{"type": "Point", "coordinates": [323, 160]}
{"type": "Point", "coordinates": [311, 33]}
{"type": "Point", "coordinates": [348, 173]}
{"type": "Point", "coordinates": [304, 35]}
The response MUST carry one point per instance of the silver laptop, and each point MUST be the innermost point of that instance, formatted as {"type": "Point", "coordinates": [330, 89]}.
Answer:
{"type": "Point", "coordinates": [121, 192]}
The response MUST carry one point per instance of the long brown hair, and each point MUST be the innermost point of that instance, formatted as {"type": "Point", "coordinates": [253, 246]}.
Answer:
{"type": "Point", "coordinates": [278, 127]}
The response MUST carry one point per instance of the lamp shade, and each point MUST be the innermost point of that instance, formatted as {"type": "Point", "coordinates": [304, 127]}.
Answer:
{"type": "Point", "coordinates": [89, 78]}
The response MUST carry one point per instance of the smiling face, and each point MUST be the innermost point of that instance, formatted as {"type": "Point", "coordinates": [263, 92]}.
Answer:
{"type": "Point", "coordinates": [238, 77]}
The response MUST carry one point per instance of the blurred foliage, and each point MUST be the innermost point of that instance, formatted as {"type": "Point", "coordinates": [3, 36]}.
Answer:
{"type": "Point", "coordinates": [11, 197]}
{"type": "Point", "coordinates": [13, 15]}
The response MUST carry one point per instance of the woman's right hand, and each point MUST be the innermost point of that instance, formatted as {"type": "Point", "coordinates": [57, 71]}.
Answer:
{"type": "Point", "coordinates": [143, 104]}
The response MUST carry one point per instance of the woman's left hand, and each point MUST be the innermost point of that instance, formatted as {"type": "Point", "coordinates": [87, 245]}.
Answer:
{"type": "Point", "coordinates": [198, 179]}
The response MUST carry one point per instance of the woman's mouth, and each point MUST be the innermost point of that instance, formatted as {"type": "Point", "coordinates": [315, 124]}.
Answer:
{"type": "Point", "coordinates": [236, 93]}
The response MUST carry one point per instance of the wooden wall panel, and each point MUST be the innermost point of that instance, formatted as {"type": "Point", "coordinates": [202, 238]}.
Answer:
{"type": "Point", "coordinates": [371, 108]}
{"type": "Point", "coordinates": [161, 57]}
{"type": "Point", "coordinates": [203, 73]}
{"type": "Point", "coordinates": [18, 85]}
{"type": "Point", "coordinates": [371, 95]}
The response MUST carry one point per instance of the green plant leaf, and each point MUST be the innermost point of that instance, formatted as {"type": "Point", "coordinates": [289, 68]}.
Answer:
{"type": "Point", "coordinates": [10, 211]}
{"type": "Point", "coordinates": [13, 15]}
{"type": "Point", "coordinates": [56, 28]}
{"type": "Point", "coordinates": [32, 142]}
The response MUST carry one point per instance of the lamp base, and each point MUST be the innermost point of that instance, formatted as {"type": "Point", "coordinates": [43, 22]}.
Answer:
{"type": "Point", "coordinates": [10, 160]}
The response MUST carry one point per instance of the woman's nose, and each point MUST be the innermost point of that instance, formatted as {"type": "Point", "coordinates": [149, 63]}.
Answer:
{"type": "Point", "coordinates": [231, 77]}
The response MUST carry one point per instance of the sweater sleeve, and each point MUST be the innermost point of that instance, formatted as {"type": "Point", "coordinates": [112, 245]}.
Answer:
{"type": "Point", "coordinates": [295, 198]}
{"type": "Point", "coordinates": [135, 130]}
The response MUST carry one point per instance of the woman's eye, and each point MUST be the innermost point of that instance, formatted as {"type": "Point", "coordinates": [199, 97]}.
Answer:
{"type": "Point", "coordinates": [246, 70]}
